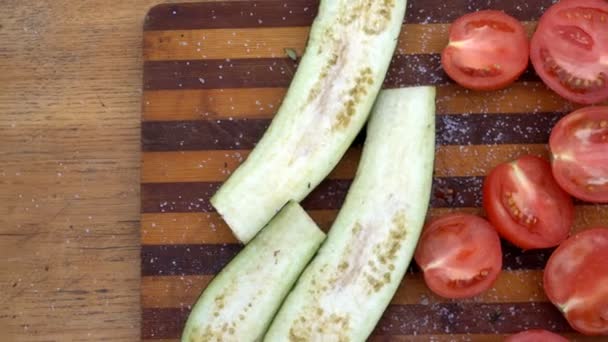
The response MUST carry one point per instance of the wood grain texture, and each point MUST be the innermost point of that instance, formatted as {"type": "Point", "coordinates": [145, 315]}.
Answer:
{"type": "Point", "coordinates": [413, 319]}
{"type": "Point", "coordinates": [404, 70]}
{"type": "Point", "coordinates": [217, 165]}
{"type": "Point", "coordinates": [277, 13]}
{"type": "Point", "coordinates": [262, 103]}
{"type": "Point", "coordinates": [69, 141]}
{"type": "Point", "coordinates": [272, 42]}
{"type": "Point", "coordinates": [209, 259]}
{"type": "Point", "coordinates": [70, 87]}
{"type": "Point", "coordinates": [456, 192]}
{"type": "Point", "coordinates": [238, 134]}
{"type": "Point", "coordinates": [209, 228]}
{"type": "Point", "coordinates": [182, 291]}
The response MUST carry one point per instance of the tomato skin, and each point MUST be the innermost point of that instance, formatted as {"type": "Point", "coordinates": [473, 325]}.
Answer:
{"type": "Point", "coordinates": [460, 255]}
{"type": "Point", "coordinates": [536, 335]}
{"type": "Point", "coordinates": [569, 47]}
{"type": "Point", "coordinates": [488, 50]}
{"type": "Point", "coordinates": [579, 151]}
{"type": "Point", "coordinates": [576, 280]}
{"type": "Point", "coordinates": [526, 205]}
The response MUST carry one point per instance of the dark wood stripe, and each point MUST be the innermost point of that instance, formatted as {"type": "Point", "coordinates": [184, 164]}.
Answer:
{"type": "Point", "coordinates": [209, 259]}
{"type": "Point", "coordinates": [163, 323]}
{"type": "Point", "coordinates": [447, 192]}
{"type": "Point", "coordinates": [202, 135]}
{"type": "Point", "coordinates": [404, 70]}
{"type": "Point", "coordinates": [232, 14]}
{"type": "Point", "coordinates": [415, 319]}
{"type": "Point", "coordinates": [453, 192]}
{"type": "Point", "coordinates": [243, 134]}
{"type": "Point", "coordinates": [425, 69]}
{"type": "Point", "coordinates": [442, 11]}
{"type": "Point", "coordinates": [474, 318]}
{"type": "Point", "coordinates": [281, 13]}
{"type": "Point", "coordinates": [170, 260]}
{"type": "Point", "coordinates": [213, 74]}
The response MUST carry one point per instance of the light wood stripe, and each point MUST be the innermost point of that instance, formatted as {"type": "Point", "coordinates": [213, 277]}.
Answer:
{"type": "Point", "coordinates": [201, 228]}
{"type": "Point", "coordinates": [209, 228]}
{"type": "Point", "coordinates": [240, 43]}
{"type": "Point", "coordinates": [216, 166]}
{"type": "Point", "coordinates": [174, 105]}
{"type": "Point", "coordinates": [262, 103]}
{"type": "Point", "coordinates": [511, 287]}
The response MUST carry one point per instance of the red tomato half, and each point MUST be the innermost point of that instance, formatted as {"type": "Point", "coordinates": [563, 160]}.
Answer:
{"type": "Point", "coordinates": [579, 149]}
{"type": "Point", "coordinates": [570, 50]}
{"type": "Point", "coordinates": [576, 281]}
{"type": "Point", "coordinates": [526, 205]}
{"type": "Point", "coordinates": [488, 50]}
{"type": "Point", "coordinates": [536, 335]}
{"type": "Point", "coordinates": [460, 255]}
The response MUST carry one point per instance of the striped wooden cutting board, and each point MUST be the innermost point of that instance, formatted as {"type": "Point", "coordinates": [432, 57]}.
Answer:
{"type": "Point", "coordinates": [214, 75]}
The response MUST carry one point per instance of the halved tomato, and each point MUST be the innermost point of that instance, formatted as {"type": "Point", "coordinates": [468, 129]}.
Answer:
{"type": "Point", "coordinates": [536, 335]}
{"type": "Point", "coordinates": [576, 280]}
{"type": "Point", "coordinates": [579, 150]}
{"type": "Point", "coordinates": [488, 50]}
{"type": "Point", "coordinates": [526, 205]}
{"type": "Point", "coordinates": [460, 255]}
{"type": "Point", "coordinates": [570, 50]}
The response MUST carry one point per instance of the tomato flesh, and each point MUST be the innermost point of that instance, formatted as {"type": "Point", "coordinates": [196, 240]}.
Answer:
{"type": "Point", "coordinates": [488, 50]}
{"type": "Point", "coordinates": [579, 150]}
{"type": "Point", "coordinates": [536, 335]}
{"type": "Point", "coordinates": [569, 50]}
{"type": "Point", "coordinates": [576, 281]}
{"type": "Point", "coordinates": [460, 255]}
{"type": "Point", "coordinates": [526, 205]}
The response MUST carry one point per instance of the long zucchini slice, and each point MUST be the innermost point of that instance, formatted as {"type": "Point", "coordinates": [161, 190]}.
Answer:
{"type": "Point", "coordinates": [349, 50]}
{"type": "Point", "coordinates": [240, 302]}
{"type": "Point", "coordinates": [344, 291]}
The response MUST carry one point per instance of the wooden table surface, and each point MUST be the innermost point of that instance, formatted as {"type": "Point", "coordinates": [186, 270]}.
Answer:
{"type": "Point", "coordinates": [70, 88]}
{"type": "Point", "coordinates": [70, 106]}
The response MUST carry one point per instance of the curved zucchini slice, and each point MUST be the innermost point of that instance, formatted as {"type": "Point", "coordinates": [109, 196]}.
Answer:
{"type": "Point", "coordinates": [344, 291]}
{"type": "Point", "coordinates": [348, 53]}
{"type": "Point", "coordinates": [240, 302]}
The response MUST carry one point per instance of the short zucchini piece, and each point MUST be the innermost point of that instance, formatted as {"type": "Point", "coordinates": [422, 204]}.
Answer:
{"type": "Point", "coordinates": [344, 291]}
{"type": "Point", "coordinates": [240, 302]}
{"type": "Point", "coordinates": [348, 53]}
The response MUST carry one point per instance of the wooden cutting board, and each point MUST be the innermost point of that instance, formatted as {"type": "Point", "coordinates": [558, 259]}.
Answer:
{"type": "Point", "coordinates": [215, 74]}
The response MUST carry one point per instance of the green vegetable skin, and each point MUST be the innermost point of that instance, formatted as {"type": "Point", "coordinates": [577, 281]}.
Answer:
{"type": "Point", "coordinates": [349, 50]}
{"type": "Point", "coordinates": [343, 293]}
{"type": "Point", "coordinates": [242, 299]}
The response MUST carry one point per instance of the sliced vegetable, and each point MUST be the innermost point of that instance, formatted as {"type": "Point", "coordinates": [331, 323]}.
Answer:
{"type": "Point", "coordinates": [349, 49]}
{"type": "Point", "coordinates": [536, 335]}
{"type": "Point", "coordinates": [460, 255]}
{"type": "Point", "coordinates": [348, 285]}
{"type": "Point", "coordinates": [569, 50]}
{"type": "Point", "coordinates": [526, 205]}
{"type": "Point", "coordinates": [579, 150]}
{"type": "Point", "coordinates": [242, 299]}
{"type": "Point", "coordinates": [488, 50]}
{"type": "Point", "coordinates": [576, 280]}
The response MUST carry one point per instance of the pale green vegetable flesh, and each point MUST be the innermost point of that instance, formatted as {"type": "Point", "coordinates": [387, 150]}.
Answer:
{"type": "Point", "coordinates": [240, 302]}
{"type": "Point", "coordinates": [348, 53]}
{"type": "Point", "coordinates": [344, 291]}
